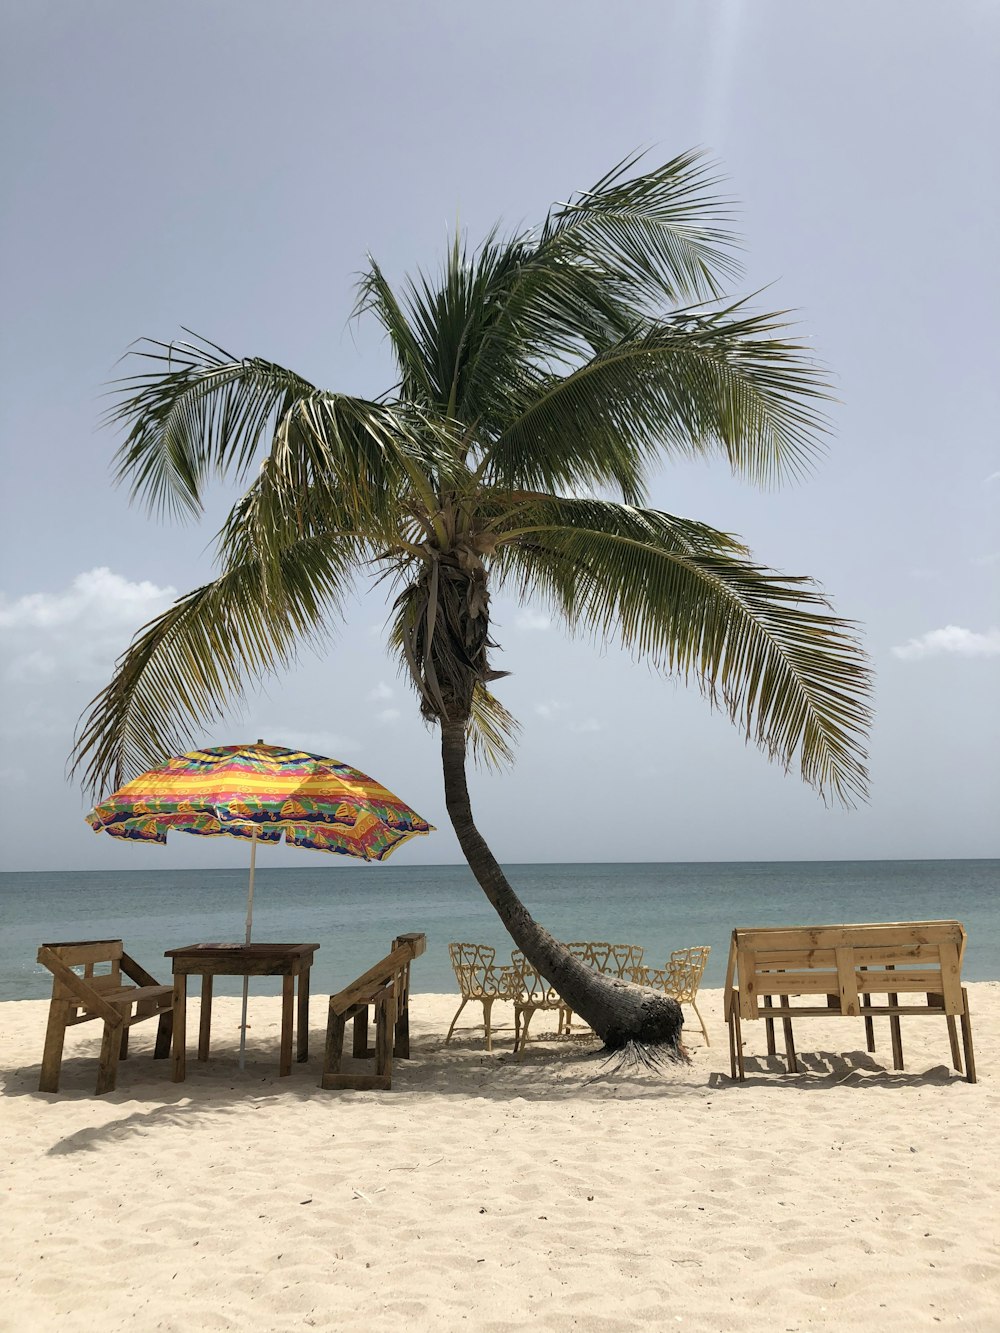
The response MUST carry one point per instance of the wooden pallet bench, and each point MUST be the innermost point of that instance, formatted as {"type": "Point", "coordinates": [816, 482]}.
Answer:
{"type": "Point", "coordinates": [91, 994]}
{"type": "Point", "coordinates": [845, 967]}
{"type": "Point", "coordinates": [386, 989]}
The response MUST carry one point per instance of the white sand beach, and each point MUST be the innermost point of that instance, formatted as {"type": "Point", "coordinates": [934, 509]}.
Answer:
{"type": "Point", "coordinates": [489, 1193]}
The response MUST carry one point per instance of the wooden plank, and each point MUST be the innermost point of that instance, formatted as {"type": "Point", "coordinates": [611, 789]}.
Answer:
{"type": "Point", "coordinates": [747, 973]}
{"type": "Point", "coordinates": [951, 979]}
{"type": "Point", "coordinates": [847, 980]}
{"type": "Point", "coordinates": [107, 1067]}
{"type": "Point", "coordinates": [872, 934]}
{"type": "Point", "coordinates": [77, 986]}
{"type": "Point", "coordinates": [357, 1082]}
{"type": "Point", "coordinates": [55, 1033]}
{"type": "Point", "coordinates": [75, 952]}
{"type": "Point", "coordinates": [970, 1059]}
{"type": "Point", "coordinates": [359, 1046]}
{"type": "Point", "coordinates": [334, 1053]}
{"type": "Point", "coordinates": [136, 971]}
{"type": "Point", "coordinates": [382, 971]}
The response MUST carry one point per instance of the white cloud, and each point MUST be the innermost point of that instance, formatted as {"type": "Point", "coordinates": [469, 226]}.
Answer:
{"type": "Point", "coordinates": [328, 744]}
{"type": "Point", "coordinates": [56, 646]}
{"type": "Point", "coordinates": [99, 597]}
{"type": "Point", "coordinates": [994, 476]}
{"type": "Point", "coordinates": [380, 692]}
{"type": "Point", "coordinates": [30, 666]}
{"type": "Point", "coordinates": [991, 558]}
{"type": "Point", "coordinates": [951, 639]}
{"type": "Point", "coordinates": [532, 620]}
{"type": "Point", "coordinates": [388, 715]}
{"type": "Point", "coordinates": [587, 725]}
{"type": "Point", "coordinates": [550, 709]}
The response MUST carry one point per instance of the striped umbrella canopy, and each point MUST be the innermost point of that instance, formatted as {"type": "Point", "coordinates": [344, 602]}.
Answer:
{"type": "Point", "coordinates": [262, 792]}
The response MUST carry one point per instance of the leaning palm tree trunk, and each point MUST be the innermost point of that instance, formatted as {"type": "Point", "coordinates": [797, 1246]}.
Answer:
{"type": "Point", "coordinates": [617, 1011]}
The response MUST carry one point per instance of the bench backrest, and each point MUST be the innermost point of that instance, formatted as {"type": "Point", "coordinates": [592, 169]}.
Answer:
{"type": "Point", "coordinates": [88, 955]}
{"type": "Point", "coordinates": [388, 971]}
{"type": "Point", "coordinates": [843, 961]}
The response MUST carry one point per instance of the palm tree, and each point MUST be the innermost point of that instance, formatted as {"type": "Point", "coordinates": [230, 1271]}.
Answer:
{"type": "Point", "coordinates": [540, 377]}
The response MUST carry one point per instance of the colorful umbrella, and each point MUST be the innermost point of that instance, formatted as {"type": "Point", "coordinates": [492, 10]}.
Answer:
{"type": "Point", "coordinates": [261, 792]}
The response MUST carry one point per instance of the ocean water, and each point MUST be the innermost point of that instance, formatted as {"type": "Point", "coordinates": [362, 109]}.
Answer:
{"type": "Point", "coordinates": [354, 910]}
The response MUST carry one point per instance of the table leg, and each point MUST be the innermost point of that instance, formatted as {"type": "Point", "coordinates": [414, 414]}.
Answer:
{"type": "Point", "coordinates": [302, 1034]}
{"type": "Point", "coordinates": [287, 1010]}
{"type": "Point", "coordinates": [205, 1024]}
{"type": "Point", "coordinates": [180, 1028]}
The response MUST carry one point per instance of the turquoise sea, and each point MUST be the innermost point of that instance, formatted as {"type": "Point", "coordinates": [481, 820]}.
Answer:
{"type": "Point", "coordinates": [354, 911]}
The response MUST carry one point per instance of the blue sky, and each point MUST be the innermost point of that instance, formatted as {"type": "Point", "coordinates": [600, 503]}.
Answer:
{"type": "Point", "coordinates": [228, 166]}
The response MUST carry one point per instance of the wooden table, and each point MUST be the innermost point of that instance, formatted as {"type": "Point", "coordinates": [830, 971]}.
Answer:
{"type": "Point", "coordinates": [287, 961]}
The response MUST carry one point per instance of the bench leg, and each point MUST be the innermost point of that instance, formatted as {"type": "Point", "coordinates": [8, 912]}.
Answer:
{"type": "Point", "coordinates": [164, 1033]}
{"type": "Point", "coordinates": [401, 1036]}
{"type": "Point", "coordinates": [769, 1029]}
{"type": "Point", "coordinates": [107, 1069]}
{"type": "Point", "coordinates": [360, 1045]}
{"type": "Point", "coordinates": [55, 1035]}
{"type": "Point", "coordinates": [383, 1040]}
{"type": "Point", "coordinates": [123, 1049]}
{"type": "Point", "coordinates": [736, 1043]}
{"type": "Point", "coordinates": [334, 1053]}
{"type": "Point", "coordinates": [956, 1058]}
{"type": "Point", "coordinates": [786, 1024]}
{"type": "Point", "coordinates": [970, 1059]}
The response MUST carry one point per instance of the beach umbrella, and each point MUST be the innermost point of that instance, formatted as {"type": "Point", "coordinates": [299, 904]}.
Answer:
{"type": "Point", "coordinates": [261, 793]}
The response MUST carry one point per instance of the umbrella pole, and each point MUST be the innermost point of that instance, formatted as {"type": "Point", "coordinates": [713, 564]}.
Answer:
{"type": "Point", "coordinates": [246, 980]}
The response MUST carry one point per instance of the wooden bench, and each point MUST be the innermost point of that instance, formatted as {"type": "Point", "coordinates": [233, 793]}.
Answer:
{"type": "Point", "coordinates": [847, 965]}
{"type": "Point", "coordinates": [83, 997]}
{"type": "Point", "coordinates": [386, 988]}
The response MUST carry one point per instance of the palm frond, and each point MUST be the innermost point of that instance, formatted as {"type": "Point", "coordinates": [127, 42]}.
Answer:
{"type": "Point", "coordinates": [765, 646]}
{"type": "Point", "coordinates": [696, 383]}
{"type": "Point", "coordinates": [185, 666]}
{"type": "Point", "coordinates": [195, 410]}
{"type": "Point", "coordinates": [663, 230]}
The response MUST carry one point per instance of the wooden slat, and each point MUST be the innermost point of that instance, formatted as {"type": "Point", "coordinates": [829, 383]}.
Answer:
{"type": "Point", "coordinates": [877, 933]}
{"type": "Point", "coordinates": [847, 980]}
{"type": "Point", "coordinates": [382, 972]}
{"type": "Point", "coordinates": [75, 952]}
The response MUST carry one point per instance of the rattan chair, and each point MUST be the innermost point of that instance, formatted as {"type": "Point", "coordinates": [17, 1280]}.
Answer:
{"type": "Point", "coordinates": [478, 979]}
{"type": "Point", "coordinates": [680, 978]}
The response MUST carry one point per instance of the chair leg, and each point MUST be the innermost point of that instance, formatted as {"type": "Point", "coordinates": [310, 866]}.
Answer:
{"type": "Point", "coordinates": [55, 1034]}
{"type": "Point", "coordinates": [704, 1029]}
{"type": "Point", "coordinates": [107, 1069]}
{"type": "Point", "coordinates": [736, 1043]}
{"type": "Point", "coordinates": [487, 1007]}
{"type": "Point", "coordinates": [454, 1021]}
{"type": "Point", "coordinates": [956, 1057]}
{"type": "Point", "coordinates": [970, 1059]}
{"type": "Point", "coordinates": [123, 1048]}
{"type": "Point", "coordinates": [526, 1019]}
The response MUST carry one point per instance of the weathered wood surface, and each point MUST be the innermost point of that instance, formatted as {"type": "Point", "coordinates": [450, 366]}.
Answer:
{"type": "Point", "coordinates": [386, 988]}
{"type": "Point", "coordinates": [83, 998]}
{"type": "Point", "coordinates": [288, 961]}
{"type": "Point", "coordinates": [847, 965]}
